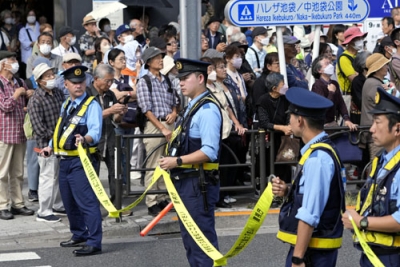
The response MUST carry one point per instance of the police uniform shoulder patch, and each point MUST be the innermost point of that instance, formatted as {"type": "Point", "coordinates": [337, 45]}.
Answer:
{"type": "Point", "coordinates": [178, 65]}
{"type": "Point", "coordinates": [77, 72]}
{"type": "Point", "coordinates": [377, 98]}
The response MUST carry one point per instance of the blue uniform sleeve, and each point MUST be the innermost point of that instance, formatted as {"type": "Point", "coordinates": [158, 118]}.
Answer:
{"type": "Point", "coordinates": [318, 172]}
{"type": "Point", "coordinates": [395, 195]}
{"type": "Point", "coordinates": [94, 122]}
{"type": "Point", "coordinates": [209, 121]}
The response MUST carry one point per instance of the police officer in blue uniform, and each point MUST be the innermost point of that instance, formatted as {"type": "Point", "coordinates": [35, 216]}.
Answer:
{"type": "Point", "coordinates": [80, 121]}
{"type": "Point", "coordinates": [193, 157]}
{"type": "Point", "coordinates": [377, 212]}
{"type": "Point", "coordinates": [309, 219]}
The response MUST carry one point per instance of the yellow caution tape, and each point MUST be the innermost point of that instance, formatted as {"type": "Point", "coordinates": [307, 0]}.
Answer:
{"type": "Point", "coordinates": [367, 250]}
{"type": "Point", "coordinates": [98, 188]}
{"type": "Point", "coordinates": [254, 222]}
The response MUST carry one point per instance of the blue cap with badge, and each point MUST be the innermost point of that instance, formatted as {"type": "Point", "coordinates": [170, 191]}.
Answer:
{"type": "Point", "coordinates": [75, 74]}
{"type": "Point", "coordinates": [306, 103]}
{"type": "Point", "coordinates": [187, 66]}
{"type": "Point", "coordinates": [385, 103]}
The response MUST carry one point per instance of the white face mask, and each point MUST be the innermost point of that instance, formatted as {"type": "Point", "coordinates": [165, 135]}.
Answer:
{"type": "Point", "coordinates": [265, 41]}
{"type": "Point", "coordinates": [8, 21]}
{"type": "Point", "coordinates": [107, 28]}
{"type": "Point", "coordinates": [105, 48]}
{"type": "Point", "coordinates": [329, 70]}
{"type": "Point", "coordinates": [31, 19]}
{"type": "Point", "coordinates": [72, 41]}
{"type": "Point", "coordinates": [283, 89]}
{"type": "Point", "coordinates": [45, 49]}
{"type": "Point", "coordinates": [237, 62]}
{"type": "Point", "coordinates": [14, 67]}
{"type": "Point", "coordinates": [394, 51]}
{"type": "Point", "coordinates": [359, 45]}
{"type": "Point", "coordinates": [128, 38]}
{"type": "Point", "coordinates": [212, 76]}
{"type": "Point", "coordinates": [50, 84]}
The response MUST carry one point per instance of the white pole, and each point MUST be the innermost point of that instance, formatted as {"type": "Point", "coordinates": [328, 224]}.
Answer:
{"type": "Point", "coordinates": [315, 51]}
{"type": "Point", "coordinates": [281, 52]}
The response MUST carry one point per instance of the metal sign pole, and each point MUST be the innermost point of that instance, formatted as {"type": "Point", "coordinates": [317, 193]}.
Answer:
{"type": "Point", "coordinates": [315, 51]}
{"type": "Point", "coordinates": [281, 52]}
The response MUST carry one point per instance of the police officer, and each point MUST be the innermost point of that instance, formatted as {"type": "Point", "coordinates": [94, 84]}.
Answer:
{"type": "Point", "coordinates": [377, 211]}
{"type": "Point", "coordinates": [74, 127]}
{"type": "Point", "coordinates": [309, 219]}
{"type": "Point", "coordinates": [192, 163]}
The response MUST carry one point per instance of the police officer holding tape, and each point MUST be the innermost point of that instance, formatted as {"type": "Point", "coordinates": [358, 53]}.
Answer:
{"type": "Point", "coordinates": [193, 157]}
{"type": "Point", "coordinates": [309, 219]}
{"type": "Point", "coordinates": [377, 212]}
{"type": "Point", "coordinates": [73, 128]}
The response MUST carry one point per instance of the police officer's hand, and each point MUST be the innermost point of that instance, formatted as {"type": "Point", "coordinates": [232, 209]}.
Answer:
{"type": "Point", "coordinates": [167, 133]}
{"type": "Point", "coordinates": [168, 163]}
{"type": "Point", "coordinates": [346, 221]}
{"type": "Point", "coordinates": [279, 187]}
{"type": "Point", "coordinates": [171, 118]}
{"type": "Point", "coordinates": [79, 139]}
{"type": "Point", "coordinates": [46, 152]}
{"type": "Point", "coordinates": [119, 109]}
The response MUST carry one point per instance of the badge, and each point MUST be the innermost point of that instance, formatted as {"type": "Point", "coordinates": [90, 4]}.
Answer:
{"type": "Point", "coordinates": [383, 191]}
{"type": "Point", "coordinates": [77, 72]}
{"type": "Point", "coordinates": [178, 65]}
{"type": "Point", "coordinates": [377, 98]}
{"type": "Point", "coordinates": [75, 119]}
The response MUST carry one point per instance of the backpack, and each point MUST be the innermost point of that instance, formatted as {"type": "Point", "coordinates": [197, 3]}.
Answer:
{"type": "Point", "coordinates": [141, 119]}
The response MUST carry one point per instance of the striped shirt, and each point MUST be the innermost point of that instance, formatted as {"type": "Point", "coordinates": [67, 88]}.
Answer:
{"type": "Point", "coordinates": [160, 102]}
{"type": "Point", "coordinates": [11, 113]}
{"type": "Point", "coordinates": [44, 110]}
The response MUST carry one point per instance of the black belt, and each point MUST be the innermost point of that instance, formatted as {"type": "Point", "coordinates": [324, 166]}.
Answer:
{"type": "Point", "coordinates": [184, 175]}
{"type": "Point", "coordinates": [159, 119]}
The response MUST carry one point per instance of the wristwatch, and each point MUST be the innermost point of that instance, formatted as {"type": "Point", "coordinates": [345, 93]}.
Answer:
{"type": "Point", "coordinates": [364, 223]}
{"type": "Point", "coordinates": [297, 260]}
{"type": "Point", "coordinates": [179, 161]}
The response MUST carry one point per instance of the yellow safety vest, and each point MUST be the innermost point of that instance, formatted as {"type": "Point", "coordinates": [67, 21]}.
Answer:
{"type": "Point", "coordinates": [58, 145]}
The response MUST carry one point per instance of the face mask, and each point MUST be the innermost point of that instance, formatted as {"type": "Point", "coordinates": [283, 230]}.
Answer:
{"type": "Point", "coordinates": [128, 38]}
{"type": "Point", "coordinates": [265, 41]}
{"type": "Point", "coordinates": [283, 89]}
{"type": "Point", "coordinates": [212, 76]}
{"type": "Point", "coordinates": [8, 20]}
{"type": "Point", "coordinates": [359, 45]}
{"type": "Point", "coordinates": [72, 41]}
{"type": "Point", "coordinates": [31, 19]}
{"type": "Point", "coordinates": [237, 62]}
{"type": "Point", "coordinates": [329, 70]}
{"type": "Point", "coordinates": [394, 51]}
{"type": "Point", "coordinates": [13, 21]}
{"type": "Point", "coordinates": [107, 28]}
{"type": "Point", "coordinates": [104, 49]}
{"type": "Point", "coordinates": [50, 84]}
{"type": "Point", "coordinates": [45, 49]}
{"type": "Point", "coordinates": [14, 67]}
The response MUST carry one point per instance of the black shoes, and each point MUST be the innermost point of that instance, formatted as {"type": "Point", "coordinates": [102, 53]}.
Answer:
{"type": "Point", "coordinates": [33, 196]}
{"type": "Point", "coordinates": [87, 251]}
{"type": "Point", "coordinates": [72, 243]}
{"type": "Point", "coordinates": [22, 211]}
{"type": "Point", "coordinates": [154, 210]}
{"type": "Point", "coordinates": [165, 203]}
{"type": "Point", "coordinates": [223, 204]}
{"type": "Point", "coordinates": [6, 215]}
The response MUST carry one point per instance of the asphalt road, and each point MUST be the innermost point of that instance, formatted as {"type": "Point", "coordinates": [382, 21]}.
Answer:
{"type": "Point", "coordinates": [165, 251]}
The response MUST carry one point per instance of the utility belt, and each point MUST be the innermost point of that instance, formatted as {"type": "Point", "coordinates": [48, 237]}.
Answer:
{"type": "Point", "coordinates": [210, 176]}
{"type": "Point", "coordinates": [61, 153]}
{"type": "Point", "coordinates": [381, 242]}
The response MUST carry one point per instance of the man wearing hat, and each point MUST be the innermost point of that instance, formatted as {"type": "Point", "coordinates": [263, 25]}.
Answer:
{"type": "Point", "coordinates": [378, 217]}
{"type": "Point", "coordinates": [67, 37]}
{"type": "Point", "coordinates": [160, 109]}
{"type": "Point", "coordinates": [44, 109]}
{"type": "Point", "coordinates": [377, 65]}
{"type": "Point", "coordinates": [71, 60]}
{"type": "Point", "coordinates": [310, 215]}
{"type": "Point", "coordinates": [198, 143]}
{"type": "Point", "coordinates": [354, 39]}
{"type": "Point", "coordinates": [216, 40]}
{"type": "Point", "coordinates": [256, 54]}
{"type": "Point", "coordinates": [294, 76]}
{"type": "Point", "coordinates": [13, 96]}
{"type": "Point", "coordinates": [87, 40]}
{"type": "Point", "coordinates": [73, 128]}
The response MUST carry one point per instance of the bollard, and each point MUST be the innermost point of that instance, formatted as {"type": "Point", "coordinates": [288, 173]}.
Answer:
{"type": "Point", "coordinates": [118, 177]}
{"type": "Point", "coordinates": [262, 161]}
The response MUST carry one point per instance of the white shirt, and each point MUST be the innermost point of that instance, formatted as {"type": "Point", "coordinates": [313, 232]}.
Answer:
{"type": "Point", "coordinates": [61, 51]}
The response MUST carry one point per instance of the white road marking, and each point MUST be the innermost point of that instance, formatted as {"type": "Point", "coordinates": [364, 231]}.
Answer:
{"type": "Point", "coordinates": [18, 256]}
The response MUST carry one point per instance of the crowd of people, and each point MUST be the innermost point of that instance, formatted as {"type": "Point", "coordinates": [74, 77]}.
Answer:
{"type": "Point", "coordinates": [52, 84]}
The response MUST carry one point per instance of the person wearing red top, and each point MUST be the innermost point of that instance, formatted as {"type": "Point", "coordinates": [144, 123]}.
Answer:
{"type": "Point", "coordinates": [12, 138]}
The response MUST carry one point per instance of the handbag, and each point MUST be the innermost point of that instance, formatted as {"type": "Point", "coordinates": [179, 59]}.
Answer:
{"type": "Point", "coordinates": [346, 144]}
{"type": "Point", "coordinates": [289, 149]}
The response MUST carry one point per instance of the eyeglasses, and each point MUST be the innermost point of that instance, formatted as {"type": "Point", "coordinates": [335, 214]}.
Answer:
{"type": "Point", "coordinates": [172, 43]}
{"type": "Point", "coordinates": [204, 39]}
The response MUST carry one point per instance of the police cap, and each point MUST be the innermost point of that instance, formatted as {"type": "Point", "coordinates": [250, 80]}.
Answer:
{"type": "Point", "coordinates": [306, 103]}
{"type": "Point", "coordinates": [187, 66]}
{"type": "Point", "coordinates": [75, 74]}
{"type": "Point", "coordinates": [385, 103]}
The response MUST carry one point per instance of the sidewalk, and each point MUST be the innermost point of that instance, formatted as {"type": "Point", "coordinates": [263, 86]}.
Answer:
{"type": "Point", "coordinates": [25, 232]}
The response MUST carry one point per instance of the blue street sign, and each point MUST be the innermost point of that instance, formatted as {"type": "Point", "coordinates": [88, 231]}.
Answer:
{"type": "Point", "coordinates": [382, 8]}
{"type": "Point", "coordinates": [245, 13]}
